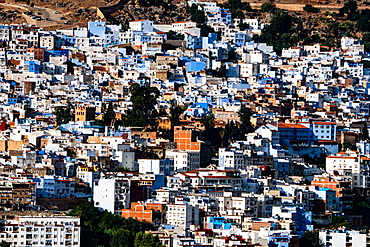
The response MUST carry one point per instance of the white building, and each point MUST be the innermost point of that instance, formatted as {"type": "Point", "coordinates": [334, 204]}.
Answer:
{"type": "Point", "coordinates": [47, 42]}
{"type": "Point", "coordinates": [40, 231]}
{"type": "Point", "coordinates": [363, 147]}
{"type": "Point", "coordinates": [230, 159]}
{"type": "Point", "coordinates": [87, 174]}
{"type": "Point", "coordinates": [112, 194]}
{"type": "Point", "coordinates": [144, 26]}
{"type": "Point", "coordinates": [322, 130]}
{"type": "Point", "coordinates": [182, 215]}
{"type": "Point", "coordinates": [341, 163]}
{"type": "Point", "coordinates": [348, 164]}
{"type": "Point", "coordinates": [156, 166]}
{"type": "Point", "coordinates": [352, 46]}
{"type": "Point", "coordinates": [291, 52]}
{"type": "Point", "coordinates": [343, 238]}
{"type": "Point", "coordinates": [5, 32]}
{"type": "Point", "coordinates": [126, 157]}
{"type": "Point", "coordinates": [180, 26]}
{"type": "Point", "coordinates": [184, 160]}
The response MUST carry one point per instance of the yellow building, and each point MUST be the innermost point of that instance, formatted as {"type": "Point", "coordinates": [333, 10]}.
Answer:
{"type": "Point", "coordinates": [164, 123]}
{"type": "Point", "coordinates": [84, 113]}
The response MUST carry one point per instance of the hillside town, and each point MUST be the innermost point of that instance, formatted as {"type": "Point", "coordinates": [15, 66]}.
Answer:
{"type": "Point", "coordinates": [214, 138]}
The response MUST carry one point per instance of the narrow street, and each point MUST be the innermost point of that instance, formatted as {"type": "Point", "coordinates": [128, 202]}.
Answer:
{"type": "Point", "coordinates": [49, 18]}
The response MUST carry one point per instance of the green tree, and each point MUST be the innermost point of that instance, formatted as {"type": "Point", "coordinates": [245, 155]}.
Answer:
{"type": "Point", "coordinates": [267, 7]}
{"type": "Point", "coordinates": [68, 114]}
{"type": "Point", "coordinates": [210, 133]}
{"type": "Point", "coordinates": [365, 132]}
{"type": "Point", "coordinates": [70, 67]}
{"type": "Point", "coordinates": [246, 126]}
{"type": "Point", "coordinates": [350, 8]}
{"type": "Point", "coordinates": [147, 240]}
{"type": "Point", "coordinates": [310, 239]}
{"type": "Point", "coordinates": [197, 15]}
{"type": "Point", "coordinates": [208, 121]}
{"type": "Point", "coordinates": [109, 115]}
{"type": "Point", "coordinates": [4, 244]}
{"type": "Point", "coordinates": [120, 238]}
{"type": "Point", "coordinates": [144, 100]}
{"type": "Point", "coordinates": [230, 133]}
{"type": "Point", "coordinates": [102, 228]}
{"type": "Point", "coordinates": [175, 113]}
{"type": "Point", "coordinates": [366, 42]}
{"type": "Point", "coordinates": [58, 112]}
{"type": "Point", "coordinates": [129, 50]}
{"type": "Point", "coordinates": [205, 30]}
{"type": "Point", "coordinates": [193, 9]}
{"type": "Point", "coordinates": [171, 35]}
{"type": "Point", "coordinates": [340, 221]}
{"type": "Point", "coordinates": [243, 26]}
{"type": "Point", "coordinates": [63, 114]}
{"type": "Point", "coordinates": [237, 14]}
{"type": "Point", "coordinates": [281, 22]}
{"type": "Point", "coordinates": [347, 145]}
{"type": "Point", "coordinates": [122, 169]}
{"type": "Point", "coordinates": [279, 33]}
{"type": "Point", "coordinates": [235, 4]}
{"type": "Point", "coordinates": [311, 9]}
{"type": "Point", "coordinates": [363, 23]}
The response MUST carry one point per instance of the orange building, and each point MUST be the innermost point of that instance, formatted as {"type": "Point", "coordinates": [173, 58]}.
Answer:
{"type": "Point", "coordinates": [329, 183]}
{"type": "Point", "coordinates": [151, 212]}
{"type": "Point", "coordinates": [186, 138]}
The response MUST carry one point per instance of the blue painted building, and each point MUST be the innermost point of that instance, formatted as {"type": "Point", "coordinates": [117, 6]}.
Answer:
{"type": "Point", "coordinates": [96, 28]}
{"type": "Point", "coordinates": [55, 53]}
{"type": "Point", "coordinates": [195, 66]}
{"type": "Point", "coordinates": [33, 66]}
{"type": "Point", "coordinates": [159, 182]}
{"type": "Point", "coordinates": [213, 222]}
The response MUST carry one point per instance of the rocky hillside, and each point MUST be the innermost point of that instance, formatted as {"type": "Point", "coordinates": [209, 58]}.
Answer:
{"type": "Point", "coordinates": [158, 14]}
{"type": "Point", "coordinates": [81, 11]}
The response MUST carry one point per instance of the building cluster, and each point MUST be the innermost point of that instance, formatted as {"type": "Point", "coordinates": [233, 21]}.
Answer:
{"type": "Point", "coordinates": [297, 170]}
{"type": "Point", "coordinates": [35, 230]}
